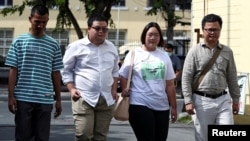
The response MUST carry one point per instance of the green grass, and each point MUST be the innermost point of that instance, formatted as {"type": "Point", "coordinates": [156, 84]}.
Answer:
{"type": "Point", "coordinates": [185, 119]}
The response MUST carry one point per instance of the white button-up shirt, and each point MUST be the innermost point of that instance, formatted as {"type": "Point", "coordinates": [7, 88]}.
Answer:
{"type": "Point", "coordinates": [92, 69]}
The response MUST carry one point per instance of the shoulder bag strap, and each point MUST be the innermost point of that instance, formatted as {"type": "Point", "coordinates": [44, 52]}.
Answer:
{"type": "Point", "coordinates": [130, 68]}
{"type": "Point", "coordinates": [206, 69]}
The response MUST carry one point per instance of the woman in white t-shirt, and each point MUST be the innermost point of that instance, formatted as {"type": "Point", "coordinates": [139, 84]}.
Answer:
{"type": "Point", "coordinates": [152, 92]}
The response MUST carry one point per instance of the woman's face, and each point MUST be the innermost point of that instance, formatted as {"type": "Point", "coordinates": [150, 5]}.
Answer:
{"type": "Point", "coordinates": [152, 38]}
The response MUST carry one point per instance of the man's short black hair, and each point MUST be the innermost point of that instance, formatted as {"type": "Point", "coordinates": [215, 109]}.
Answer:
{"type": "Point", "coordinates": [168, 45]}
{"type": "Point", "coordinates": [39, 9]}
{"type": "Point", "coordinates": [211, 18]}
{"type": "Point", "coordinates": [96, 17]}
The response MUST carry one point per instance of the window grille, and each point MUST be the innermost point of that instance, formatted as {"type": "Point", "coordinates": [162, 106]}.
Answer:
{"type": "Point", "coordinates": [6, 37]}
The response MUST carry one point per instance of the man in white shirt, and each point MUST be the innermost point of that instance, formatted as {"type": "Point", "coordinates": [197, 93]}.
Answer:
{"type": "Point", "coordinates": [91, 73]}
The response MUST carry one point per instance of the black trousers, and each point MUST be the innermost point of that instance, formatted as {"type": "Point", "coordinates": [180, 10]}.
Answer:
{"type": "Point", "coordinates": [32, 121]}
{"type": "Point", "coordinates": [148, 124]}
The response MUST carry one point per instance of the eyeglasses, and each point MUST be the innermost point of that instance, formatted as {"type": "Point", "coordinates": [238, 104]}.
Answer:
{"type": "Point", "coordinates": [97, 29]}
{"type": "Point", "coordinates": [212, 30]}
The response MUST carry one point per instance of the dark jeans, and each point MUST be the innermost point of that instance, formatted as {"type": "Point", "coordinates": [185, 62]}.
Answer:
{"type": "Point", "coordinates": [32, 120]}
{"type": "Point", "coordinates": [148, 124]}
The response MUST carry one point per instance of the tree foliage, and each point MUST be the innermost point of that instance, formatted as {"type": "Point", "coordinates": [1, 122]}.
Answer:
{"type": "Point", "coordinates": [65, 17]}
{"type": "Point", "coordinates": [167, 10]}
{"type": "Point", "coordinates": [100, 6]}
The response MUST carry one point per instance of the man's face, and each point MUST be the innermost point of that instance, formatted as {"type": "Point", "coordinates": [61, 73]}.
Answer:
{"type": "Point", "coordinates": [211, 32]}
{"type": "Point", "coordinates": [97, 32]}
{"type": "Point", "coordinates": [38, 24]}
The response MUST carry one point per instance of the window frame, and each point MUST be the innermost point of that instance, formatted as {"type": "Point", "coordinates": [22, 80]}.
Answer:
{"type": "Point", "coordinates": [122, 4]}
{"type": "Point", "coordinates": [6, 40]}
{"type": "Point", "coordinates": [122, 36]}
{"type": "Point", "coordinates": [62, 38]}
{"type": "Point", "coordinates": [6, 3]}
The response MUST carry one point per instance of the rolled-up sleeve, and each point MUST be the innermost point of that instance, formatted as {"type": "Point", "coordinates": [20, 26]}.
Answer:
{"type": "Point", "coordinates": [69, 63]}
{"type": "Point", "coordinates": [232, 79]}
{"type": "Point", "coordinates": [187, 76]}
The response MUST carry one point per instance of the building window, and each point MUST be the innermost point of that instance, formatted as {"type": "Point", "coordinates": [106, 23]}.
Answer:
{"type": "Point", "coordinates": [61, 37]}
{"type": "Point", "coordinates": [6, 3]}
{"type": "Point", "coordinates": [113, 38]}
{"type": "Point", "coordinates": [6, 37]}
{"type": "Point", "coordinates": [122, 3]}
{"type": "Point", "coordinates": [149, 3]}
{"type": "Point", "coordinates": [184, 5]}
{"type": "Point", "coordinates": [177, 33]}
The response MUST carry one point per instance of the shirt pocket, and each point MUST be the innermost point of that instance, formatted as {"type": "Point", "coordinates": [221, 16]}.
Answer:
{"type": "Point", "coordinates": [221, 65]}
{"type": "Point", "coordinates": [107, 62]}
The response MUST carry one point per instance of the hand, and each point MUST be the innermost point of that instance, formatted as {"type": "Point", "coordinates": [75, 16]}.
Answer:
{"type": "Point", "coordinates": [12, 105]}
{"type": "Point", "coordinates": [58, 107]}
{"type": "Point", "coordinates": [173, 115]}
{"type": "Point", "coordinates": [115, 95]}
{"type": "Point", "coordinates": [190, 108]}
{"type": "Point", "coordinates": [235, 108]}
{"type": "Point", "coordinates": [125, 93]}
{"type": "Point", "coordinates": [75, 94]}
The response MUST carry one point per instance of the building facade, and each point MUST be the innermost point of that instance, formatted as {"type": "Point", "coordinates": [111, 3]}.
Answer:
{"type": "Point", "coordinates": [130, 18]}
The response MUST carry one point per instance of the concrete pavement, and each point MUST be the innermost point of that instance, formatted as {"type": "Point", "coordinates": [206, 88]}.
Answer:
{"type": "Point", "coordinates": [62, 128]}
{"type": "Point", "coordinates": [117, 132]}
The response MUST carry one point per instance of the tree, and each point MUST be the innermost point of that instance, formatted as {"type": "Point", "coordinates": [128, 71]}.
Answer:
{"type": "Point", "coordinates": [65, 16]}
{"type": "Point", "coordinates": [100, 6]}
{"type": "Point", "coordinates": [167, 10]}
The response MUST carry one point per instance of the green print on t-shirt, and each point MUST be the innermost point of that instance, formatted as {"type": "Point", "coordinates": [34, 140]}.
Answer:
{"type": "Point", "coordinates": [152, 70]}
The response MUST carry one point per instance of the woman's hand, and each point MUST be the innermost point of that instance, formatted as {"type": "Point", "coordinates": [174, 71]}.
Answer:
{"type": "Point", "coordinates": [125, 93]}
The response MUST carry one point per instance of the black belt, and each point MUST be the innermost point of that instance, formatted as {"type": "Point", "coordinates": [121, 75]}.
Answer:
{"type": "Point", "coordinates": [210, 95]}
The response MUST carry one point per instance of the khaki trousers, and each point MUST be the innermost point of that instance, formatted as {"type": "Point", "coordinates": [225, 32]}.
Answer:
{"type": "Point", "coordinates": [91, 123]}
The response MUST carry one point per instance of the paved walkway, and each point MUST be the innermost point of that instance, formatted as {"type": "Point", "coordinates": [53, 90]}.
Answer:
{"type": "Point", "coordinates": [62, 129]}
{"type": "Point", "coordinates": [119, 131]}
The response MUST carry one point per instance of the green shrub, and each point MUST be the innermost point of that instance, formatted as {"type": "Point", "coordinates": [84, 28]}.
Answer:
{"type": "Point", "coordinates": [185, 119]}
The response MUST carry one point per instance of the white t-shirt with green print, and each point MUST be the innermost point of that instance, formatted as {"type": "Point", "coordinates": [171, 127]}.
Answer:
{"type": "Point", "coordinates": [150, 72]}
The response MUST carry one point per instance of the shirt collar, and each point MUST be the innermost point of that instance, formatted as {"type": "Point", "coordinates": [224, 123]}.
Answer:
{"type": "Point", "coordinates": [86, 41]}
{"type": "Point", "coordinates": [218, 46]}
